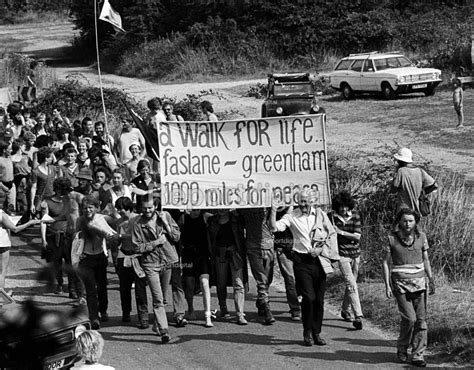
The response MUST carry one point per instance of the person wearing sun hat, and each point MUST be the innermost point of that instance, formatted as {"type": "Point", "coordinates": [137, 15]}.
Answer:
{"type": "Point", "coordinates": [410, 181]}
{"type": "Point", "coordinates": [84, 179]}
{"type": "Point", "coordinates": [131, 166]}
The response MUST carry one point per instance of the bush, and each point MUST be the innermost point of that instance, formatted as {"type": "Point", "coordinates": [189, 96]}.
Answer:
{"type": "Point", "coordinates": [175, 58]}
{"type": "Point", "coordinates": [258, 91]}
{"type": "Point", "coordinates": [77, 101]}
{"type": "Point", "coordinates": [153, 59]}
{"type": "Point", "coordinates": [452, 55]}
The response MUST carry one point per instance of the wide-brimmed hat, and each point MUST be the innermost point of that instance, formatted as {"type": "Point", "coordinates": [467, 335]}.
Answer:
{"type": "Point", "coordinates": [85, 173]}
{"type": "Point", "coordinates": [404, 155]}
{"type": "Point", "coordinates": [135, 143]}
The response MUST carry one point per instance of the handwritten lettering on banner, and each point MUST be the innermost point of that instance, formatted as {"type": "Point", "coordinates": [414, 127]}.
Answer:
{"type": "Point", "coordinates": [242, 163]}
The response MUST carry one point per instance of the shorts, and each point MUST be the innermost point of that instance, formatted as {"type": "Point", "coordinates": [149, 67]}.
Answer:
{"type": "Point", "coordinates": [195, 267]}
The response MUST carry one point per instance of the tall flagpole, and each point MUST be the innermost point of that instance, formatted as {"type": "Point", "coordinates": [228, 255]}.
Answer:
{"type": "Point", "coordinates": [106, 126]}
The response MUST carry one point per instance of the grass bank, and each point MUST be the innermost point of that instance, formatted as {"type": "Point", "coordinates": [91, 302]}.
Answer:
{"type": "Point", "coordinates": [450, 324]}
{"type": "Point", "coordinates": [32, 16]}
{"type": "Point", "coordinates": [175, 58]}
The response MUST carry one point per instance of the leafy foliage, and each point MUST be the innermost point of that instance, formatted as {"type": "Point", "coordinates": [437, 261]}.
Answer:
{"type": "Point", "coordinates": [37, 5]}
{"type": "Point", "coordinates": [24, 11]}
{"type": "Point", "coordinates": [77, 101]}
{"type": "Point", "coordinates": [233, 36]}
{"type": "Point", "coordinates": [15, 69]}
{"type": "Point", "coordinates": [140, 18]}
{"type": "Point", "coordinates": [258, 91]}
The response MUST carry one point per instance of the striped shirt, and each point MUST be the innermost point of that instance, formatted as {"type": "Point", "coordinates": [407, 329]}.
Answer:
{"type": "Point", "coordinates": [347, 247]}
{"type": "Point", "coordinates": [408, 272]}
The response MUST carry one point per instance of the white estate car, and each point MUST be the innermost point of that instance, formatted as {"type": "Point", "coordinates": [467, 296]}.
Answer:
{"type": "Point", "coordinates": [387, 73]}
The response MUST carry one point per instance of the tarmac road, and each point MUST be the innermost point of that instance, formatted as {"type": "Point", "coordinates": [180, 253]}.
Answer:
{"type": "Point", "coordinates": [226, 345]}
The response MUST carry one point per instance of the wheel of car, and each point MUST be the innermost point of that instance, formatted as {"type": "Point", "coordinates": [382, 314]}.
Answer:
{"type": "Point", "coordinates": [347, 92]}
{"type": "Point", "coordinates": [387, 91]}
{"type": "Point", "coordinates": [430, 91]}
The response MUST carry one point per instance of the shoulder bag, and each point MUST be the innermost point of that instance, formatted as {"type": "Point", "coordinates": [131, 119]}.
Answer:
{"type": "Point", "coordinates": [424, 204]}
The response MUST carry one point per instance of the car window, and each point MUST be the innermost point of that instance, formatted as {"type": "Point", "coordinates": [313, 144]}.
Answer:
{"type": "Point", "coordinates": [404, 62]}
{"type": "Point", "coordinates": [357, 66]}
{"type": "Point", "coordinates": [368, 66]}
{"type": "Point", "coordinates": [393, 62]}
{"type": "Point", "coordinates": [343, 65]}
{"type": "Point", "coordinates": [380, 64]}
{"type": "Point", "coordinates": [292, 89]}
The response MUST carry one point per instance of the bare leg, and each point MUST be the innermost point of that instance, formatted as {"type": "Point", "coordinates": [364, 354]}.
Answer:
{"type": "Point", "coordinates": [206, 298]}
{"type": "Point", "coordinates": [460, 114]}
{"type": "Point", "coordinates": [461, 118]}
{"type": "Point", "coordinates": [4, 259]}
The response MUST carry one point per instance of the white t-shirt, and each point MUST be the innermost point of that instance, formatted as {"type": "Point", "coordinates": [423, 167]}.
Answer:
{"type": "Point", "coordinates": [126, 193]}
{"type": "Point", "coordinates": [153, 119]}
{"type": "Point", "coordinates": [5, 241]}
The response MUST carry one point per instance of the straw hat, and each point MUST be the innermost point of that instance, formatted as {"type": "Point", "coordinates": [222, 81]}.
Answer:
{"type": "Point", "coordinates": [404, 155]}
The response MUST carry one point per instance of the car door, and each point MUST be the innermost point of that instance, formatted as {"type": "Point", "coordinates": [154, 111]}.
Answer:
{"type": "Point", "coordinates": [367, 77]}
{"type": "Point", "coordinates": [355, 71]}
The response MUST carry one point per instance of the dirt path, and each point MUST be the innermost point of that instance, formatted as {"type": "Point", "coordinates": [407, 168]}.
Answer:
{"type": "Point", "coordinates": [24, 38]}
{"type": "Point", "coordinates": [144, 90]}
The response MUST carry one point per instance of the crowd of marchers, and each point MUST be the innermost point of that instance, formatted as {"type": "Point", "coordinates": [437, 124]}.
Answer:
{"type": "Point", "coordinates": [97, 200]}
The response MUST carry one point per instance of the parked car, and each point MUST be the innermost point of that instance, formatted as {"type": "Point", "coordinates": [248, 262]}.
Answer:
{"type": "Point", "coordinates": [391, 74]}
{"type": "Point", "coordinates": [38, 337]}
{"type": "Point", "coordinates": [288, 94]}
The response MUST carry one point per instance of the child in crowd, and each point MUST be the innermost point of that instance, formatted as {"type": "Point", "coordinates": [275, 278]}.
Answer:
{"type": "Point", "coordinates": [90, 345]}
{"type": "Point", "coordinates": [458, 99]}
{"type": "Point", "coordinates": [70, 168]}
{"type": "Point", "coordinates": [29, 122]}
{"type": "Point", "coordinates": [7, 184]}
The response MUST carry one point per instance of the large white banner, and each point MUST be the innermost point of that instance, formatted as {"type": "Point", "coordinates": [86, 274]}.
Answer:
{"type": "Point", "coordinates": [242, 163]}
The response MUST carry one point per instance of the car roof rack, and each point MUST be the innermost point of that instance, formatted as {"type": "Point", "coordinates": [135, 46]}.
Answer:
{"type": "Point", "coordinates": [359, 54]}
{"type": "Point", "coordinates": [375, 52]}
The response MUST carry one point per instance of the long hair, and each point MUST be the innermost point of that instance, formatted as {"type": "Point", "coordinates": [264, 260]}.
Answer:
{"type": "Point", "coordinates": [207, 106]}
{"type": "Point", "coordinates": [409, 212]}
{"type": "Point", "coordinates": [344, 198]}
{"type": "Point", "coordinates": [90, 345]}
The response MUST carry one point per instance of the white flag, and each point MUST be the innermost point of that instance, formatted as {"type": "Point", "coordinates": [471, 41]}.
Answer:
{"type": "Point", "coordinates": [109, 15]}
